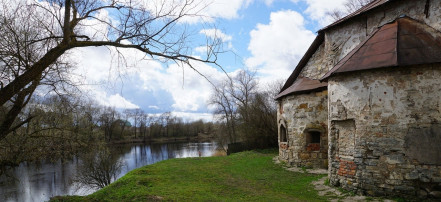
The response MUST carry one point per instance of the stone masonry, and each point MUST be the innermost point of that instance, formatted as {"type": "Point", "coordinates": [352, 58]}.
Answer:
{"type": "Point", "coordinates": [385, 131]}
{"type": "Point", "coordinates": [304, 116]}
{"type": "Point", "coordinates": [379, 128]}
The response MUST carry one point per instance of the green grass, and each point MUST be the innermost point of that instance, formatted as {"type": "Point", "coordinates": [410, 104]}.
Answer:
{"type": "Point", "coordinates": [246, 176]}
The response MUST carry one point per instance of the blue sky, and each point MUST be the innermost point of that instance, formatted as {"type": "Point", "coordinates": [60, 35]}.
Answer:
{"type": "Point", "coordinates": [267, 36]}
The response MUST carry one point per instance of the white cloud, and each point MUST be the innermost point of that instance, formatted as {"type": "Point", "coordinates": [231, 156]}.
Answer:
{"type": "Point", "coordinates": [194, 116]}
{"type": "Point", "coordinates": [206, 10]}
{"type": "Point", "coordinates": [201, 49]}
{"type": "Point", "coordinates": [189, 91]}
{"type": "Point", "coordinates": [277, 47]}
{"type": "Point", "coordinates": [225, 9]}
{"type": "Point", "coordinates": [317, 9]}
{"type": "Point", "coordinates": [104, 75]}
{"type": "Point", "coordinates": [228, 9]}
{"type": "Point", "coordinates": [153, 107]}
{"type": "Point", "coordinates": [118, 101]}
{"type": "Point", "coordinates": [216, 34]}
{"type": "Point", "coordinates": [96, 28]}
{"type": "Point", "coordinates": [112, 100]}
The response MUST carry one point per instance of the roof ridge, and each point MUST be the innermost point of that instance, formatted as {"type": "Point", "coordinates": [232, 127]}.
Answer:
{"type": "Point", "coordinates": [401, 42]}
{"type": "Point", "coordinates": [366, 8]}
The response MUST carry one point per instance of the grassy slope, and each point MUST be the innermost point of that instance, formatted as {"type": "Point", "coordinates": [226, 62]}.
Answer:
{"type": "Point", "coordinates": [246, 176]}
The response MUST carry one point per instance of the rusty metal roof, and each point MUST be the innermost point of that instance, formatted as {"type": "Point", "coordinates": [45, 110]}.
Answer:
{"type": "Point", "coordinates": [288, 86]}
{"type": "Point", "coordinates": [370, 6]}
{"type": "Point", "coordinates": [314, 46]}
{"type": "Point", "coordinates": [303, 85]}
{"type": "Point", "coordinates": [402, 42]}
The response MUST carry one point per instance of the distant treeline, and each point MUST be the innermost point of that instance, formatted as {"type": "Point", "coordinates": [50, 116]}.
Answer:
{"type": "Point", "coordinates": [60, 126]}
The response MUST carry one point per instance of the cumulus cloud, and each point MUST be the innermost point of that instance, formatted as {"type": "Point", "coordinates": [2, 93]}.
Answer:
{"type": "Point", "coordinates": [194, 116]}
{"type": "Point", "coordinates": [187, 90]}
{"type": "Point", "coordinates": [153, 107]}
{"type": "Point", "coordinates": [277, 47]}
{"type": "Point", "coordinates": [118, 101]}
{"type": "Point", "coordinates": [216, 34]}
{"type": "Point", "coordinates": [205, 10]}
{"type": "Point", "coordinates": [229, 9]}
{"type": "Point", "coordinates": [111, 80]}
{"type": "Point", "coordinates": [225, 9]}
{"type": "Point", "coordinates": [98, 77]}
{"type": "Point", "coordinates": [317, 9]}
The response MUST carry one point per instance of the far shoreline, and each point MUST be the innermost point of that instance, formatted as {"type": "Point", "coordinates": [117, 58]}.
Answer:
{"type": "Point", "coordinates": [201, 137]}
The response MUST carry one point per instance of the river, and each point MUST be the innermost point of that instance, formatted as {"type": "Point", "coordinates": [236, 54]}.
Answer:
{"type": "Point", "coordinates": [31, 182]}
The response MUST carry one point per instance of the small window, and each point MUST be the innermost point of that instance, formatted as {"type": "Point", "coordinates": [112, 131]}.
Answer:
{"type": "Point", "coordinates": [282, 134]}
{"type": "Point", "coordinates": [315, 136]}
{"type": "Point", "coordinates": [313, 140]}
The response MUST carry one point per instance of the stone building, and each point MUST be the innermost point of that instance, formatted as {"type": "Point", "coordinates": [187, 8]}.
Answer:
{"type": "Point", "coordinates": [372, 81]}
{"type": "Point", "coordinates": [303, 113]}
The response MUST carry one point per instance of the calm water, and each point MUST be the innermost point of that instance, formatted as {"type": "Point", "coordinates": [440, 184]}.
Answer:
{"type": "Point", "coordinates": [29, 182]}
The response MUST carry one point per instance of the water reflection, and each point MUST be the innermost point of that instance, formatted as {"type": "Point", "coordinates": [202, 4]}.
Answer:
{"type": "Point", "coordinates": [30, 182]}
{"type": "Point", "coordinates": [98, 168]}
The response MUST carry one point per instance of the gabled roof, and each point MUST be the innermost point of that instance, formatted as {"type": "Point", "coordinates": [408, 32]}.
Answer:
{"type": "Point", "coordinates": [402, 42]}
{"type": "Point", "coordinates": [316, 44]}
{"type": "Point", "coordinates": [287, 89]}
{"type": "Point", "coordinates": [303, 85]}
{"type": "Point", "coordinates": [370, 6]}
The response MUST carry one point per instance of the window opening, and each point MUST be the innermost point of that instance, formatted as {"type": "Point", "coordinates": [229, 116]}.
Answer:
{"type": "Point", "coordinates": [313, 140]}
{"type": "Point", "coordinates": [315, 136]}
{"type": "Point", "coordinates": [282, 134]}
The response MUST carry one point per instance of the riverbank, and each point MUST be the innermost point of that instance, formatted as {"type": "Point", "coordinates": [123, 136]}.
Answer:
{"type": "Point", "coordinates": [245, 176]}
{"type": "Point", "coordinates": [201, 137]}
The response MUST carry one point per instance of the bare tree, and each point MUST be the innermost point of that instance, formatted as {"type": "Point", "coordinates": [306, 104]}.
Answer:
{"type": "Point", "coordinates": [107, 119]}
{"type": "Point", "coordinates": [225, 109]}
{"type": "Point", "coordinates": [246, 112]}
{"type": "Point", "coordinates": [35, 35]}
{"type": "Point", "coordinates": [244, 90]}
{"type": "Point", "coordinates": [136, 115]}
{"type": "Point", "coordinates": [350, 7]}
{"type": "Point", "coordinates": [143, 124]}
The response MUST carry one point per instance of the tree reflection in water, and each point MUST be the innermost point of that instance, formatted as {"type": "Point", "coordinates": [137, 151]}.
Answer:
{"type": "Point", "coordinates": [39, 182]}
{"type": "Point", "coordinates": [98, 169]}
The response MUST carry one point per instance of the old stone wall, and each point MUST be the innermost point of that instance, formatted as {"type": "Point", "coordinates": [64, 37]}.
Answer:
{"type": "Point", "coordinates": [384, 125]}
{"type": "Point", "coordinates": [305, 118]}
{"type": "Point", "coordinates": [315, 69]}
{"type": "Point", "coordinates": [343, 38]}
{"type": "Point", "coordinates": [385, 131]}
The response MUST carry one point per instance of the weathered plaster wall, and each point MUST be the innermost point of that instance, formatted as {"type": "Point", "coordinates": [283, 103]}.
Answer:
{"type": "Point", "coordinates": [315, 68]}
{"type": "Point", "coordinates": [385, 131]}
{"type": "Point", "coordinates": [303, 114]}
{"type": "Point", "coordinates": [343, 38]}
{"type": "Point", "coordinates": [384, 125]}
